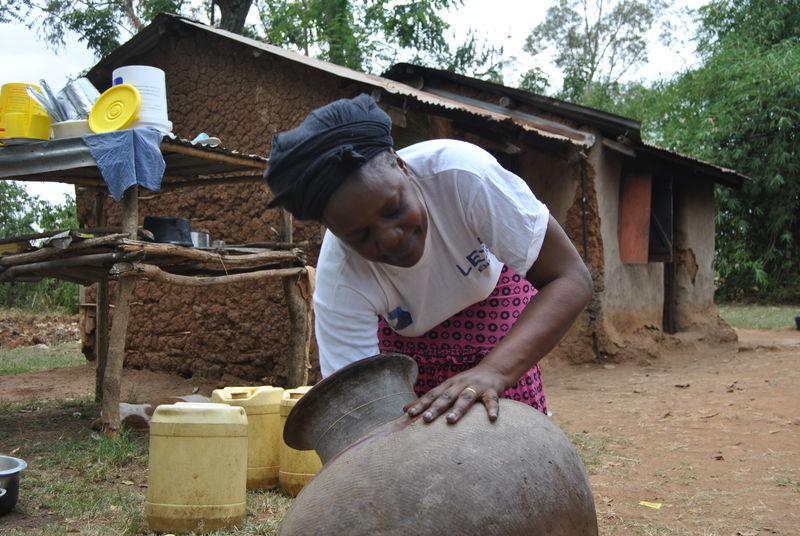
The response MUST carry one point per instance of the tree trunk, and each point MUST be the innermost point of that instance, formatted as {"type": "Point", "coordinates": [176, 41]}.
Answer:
{"type": "Point", "coordinates": [233, 14]}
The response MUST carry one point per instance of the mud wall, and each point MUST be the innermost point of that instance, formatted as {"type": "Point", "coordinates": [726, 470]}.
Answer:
{"type": "Point", "coordinates": [220, 87]}
{"type": "Point", "coordinates": [694, 263]}
{"type": "Point", "coordinates": [552, 179]}
{"type": "Point", "coordinates": [632, 295]}
{"type": "Point", "coordinates": [561, 182]}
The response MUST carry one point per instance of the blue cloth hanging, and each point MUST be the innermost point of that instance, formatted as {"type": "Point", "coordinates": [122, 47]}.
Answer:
{"type": "Point", "coordinates": [128, 157]}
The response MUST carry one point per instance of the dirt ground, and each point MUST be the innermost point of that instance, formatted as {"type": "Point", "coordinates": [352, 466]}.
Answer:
{"type": "Point", "coordinates": [710, 434]}
{"type": "Point", "coordinates": [713, 435]}
{"type": "Point", "coordinates": [29, 329]}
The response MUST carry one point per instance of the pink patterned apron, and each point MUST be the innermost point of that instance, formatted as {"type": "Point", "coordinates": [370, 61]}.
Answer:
{"type": "Point", "coordinates": [461, 341]}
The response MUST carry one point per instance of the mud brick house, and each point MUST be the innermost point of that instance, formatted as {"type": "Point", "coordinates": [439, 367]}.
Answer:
{"type": "Point", "coordinates": [642, 217]}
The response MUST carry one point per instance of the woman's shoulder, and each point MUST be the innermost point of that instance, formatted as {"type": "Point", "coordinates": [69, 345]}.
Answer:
{"type": "Point", "coordinates": [433, 157]}
{"type": "Point", "coordinates": [338, 267]}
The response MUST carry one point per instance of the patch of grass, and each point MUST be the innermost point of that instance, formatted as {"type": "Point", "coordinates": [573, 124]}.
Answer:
{"type": "Point", "coordinates": [17, 312]}
{"type": "Point", "coordinates": [644, 528]}
{"type": "Point", "coordinates": [76, 479]}
{"type": "Point", "coordinates": [786, 482]}
{"type": "Point", "coordinates": [759, 316]}
{"type": "Point", "coordinates": [52, 404]}
{"type": "Point", "coordinates": [597, 452]}
{"type": "Point", "coordinates": [265, 510]}
{"type": "Point", "coordinates": [81, 481]}
{"type": "Point", "coordinates": [33, 358]}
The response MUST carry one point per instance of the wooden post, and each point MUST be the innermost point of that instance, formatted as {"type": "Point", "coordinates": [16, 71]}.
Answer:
{"type": "Point", "coordinates": [112, 379]}
{"type": "Point", "coordinates": [299, 328]}
{"type": "Point", "coordinates": [101, 313]}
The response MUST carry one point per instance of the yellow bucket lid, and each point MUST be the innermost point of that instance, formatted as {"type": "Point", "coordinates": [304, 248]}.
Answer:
{"type": "Point", "coordinates": [116, 109]}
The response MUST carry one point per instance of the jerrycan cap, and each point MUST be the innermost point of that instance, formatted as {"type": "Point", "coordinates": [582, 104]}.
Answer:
{"type": "Point", "coordinates": [256, 400]}
{"type": "Point", "coordinates": [116, 109]}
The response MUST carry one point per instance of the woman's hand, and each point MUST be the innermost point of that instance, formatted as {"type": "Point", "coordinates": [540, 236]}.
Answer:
{"type": "Point", "coordinates": [453, 397]}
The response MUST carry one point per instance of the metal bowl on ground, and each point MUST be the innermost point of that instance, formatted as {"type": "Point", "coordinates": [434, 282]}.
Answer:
{"type": "Point", "coordinates": [10, 468]}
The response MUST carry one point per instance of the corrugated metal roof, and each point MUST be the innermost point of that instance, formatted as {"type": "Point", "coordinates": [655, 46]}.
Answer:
{"type": "Point", "coordinates": [70, 161]}
{"type": "Point", "coordinates": [441, 100]}
{"type": "Point", "coordinates": [728, 177]}
{"type": "Point", "coordinates": [609, 124]}
{"type": "Point", "coordinates": [147, 38]}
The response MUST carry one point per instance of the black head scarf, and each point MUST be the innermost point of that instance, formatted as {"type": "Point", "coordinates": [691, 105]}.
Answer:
{"type": "Point", "coordinates": [308, 163]}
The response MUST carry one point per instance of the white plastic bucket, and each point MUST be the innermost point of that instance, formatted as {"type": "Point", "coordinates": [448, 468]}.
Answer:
{"type": "Point", "coordinates": [151, 83]}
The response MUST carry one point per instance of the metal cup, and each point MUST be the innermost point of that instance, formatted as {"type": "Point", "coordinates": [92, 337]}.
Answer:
{"type": "Point", "coordinates": [82, 95]}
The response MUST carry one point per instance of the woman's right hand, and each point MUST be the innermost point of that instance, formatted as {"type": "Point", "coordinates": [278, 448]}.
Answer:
{"type": "Point", "coordinates": [454, 396]}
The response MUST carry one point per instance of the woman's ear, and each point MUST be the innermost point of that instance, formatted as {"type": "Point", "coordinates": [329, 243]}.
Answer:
{"type": "Point", "coordinates": [401, 163]}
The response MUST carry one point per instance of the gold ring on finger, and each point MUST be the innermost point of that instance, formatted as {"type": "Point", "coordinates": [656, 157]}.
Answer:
{"type": "Point", "coordinates": [473, 391]}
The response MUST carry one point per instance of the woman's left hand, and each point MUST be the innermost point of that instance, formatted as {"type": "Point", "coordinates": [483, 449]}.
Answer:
{"type": "Point", "coordinates": [454, 396]}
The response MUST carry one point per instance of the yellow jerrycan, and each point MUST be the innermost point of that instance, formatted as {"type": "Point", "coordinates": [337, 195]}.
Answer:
{"type": "Point", "coordinates": [297, 467]}
{"type": "Point", "coordinates": [20, 115]}
{"type": "Point", "coordinates": [197, 467]}
{"type": "Point", "coordinates": [262, 405]}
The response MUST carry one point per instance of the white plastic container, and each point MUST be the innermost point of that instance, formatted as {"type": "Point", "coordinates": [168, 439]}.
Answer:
{"type": "Point", "coordinates": [152, 85]}
{"type": "Point", "coordinates": [74, 128]}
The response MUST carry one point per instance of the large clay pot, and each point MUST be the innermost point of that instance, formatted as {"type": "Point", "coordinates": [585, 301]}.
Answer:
{"type": "Point", "coordinates": [385, 473]}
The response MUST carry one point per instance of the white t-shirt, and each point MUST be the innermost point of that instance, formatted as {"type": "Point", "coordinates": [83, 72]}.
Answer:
{"type": "Point", "coordinates": [480, 216]}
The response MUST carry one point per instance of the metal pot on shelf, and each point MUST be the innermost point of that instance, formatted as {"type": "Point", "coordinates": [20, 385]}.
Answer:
{"type": "Point", "coordinates": [201, 238]}
{"type": "Point", "coordinates": [169, 230]}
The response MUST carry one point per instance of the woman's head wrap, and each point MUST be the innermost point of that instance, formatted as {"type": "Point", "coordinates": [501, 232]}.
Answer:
{"type": "Point", "coordinates": [308, 163]}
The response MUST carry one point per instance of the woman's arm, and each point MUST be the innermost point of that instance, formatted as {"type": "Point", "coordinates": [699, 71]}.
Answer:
{"type": "Point", "coordinates": [565, 288]}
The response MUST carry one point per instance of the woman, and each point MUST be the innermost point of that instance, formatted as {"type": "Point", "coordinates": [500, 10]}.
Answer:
{"type": "Point", "coordinates": [433, 251]}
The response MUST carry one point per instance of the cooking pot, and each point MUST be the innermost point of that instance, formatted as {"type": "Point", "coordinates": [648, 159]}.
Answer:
{"type": "Point", "coordinates": [386, 473]}
{"type": "Point", "coordinates": [10, 469]}
{"type": "Point", "coordinates": [169, 230]}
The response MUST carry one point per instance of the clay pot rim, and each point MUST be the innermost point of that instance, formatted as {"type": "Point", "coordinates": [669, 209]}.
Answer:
{"type": "Point", "coordinates": [293, 431]}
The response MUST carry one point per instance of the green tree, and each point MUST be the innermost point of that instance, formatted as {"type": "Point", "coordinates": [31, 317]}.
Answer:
{"type": "Point", "coordinates": [103, 24]}
{"type": "Point", "coordinates": [18, 210]}
{"type": "Point", "coordinates": [741, 109]}
{"type": "Point", "coordinates": [534, 80]}
{"type": "Point", "coordinates": [595, 43]}
{"type": "Point", "coordinates": [472, 57]}
{"type": "Point", "coordinates": [22, 213]}
{"type": "Point", "coordinates": [368, 34]}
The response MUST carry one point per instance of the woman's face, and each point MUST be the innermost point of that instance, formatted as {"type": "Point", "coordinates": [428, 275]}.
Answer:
{"type": "Point", "coordinates": [378, 213]}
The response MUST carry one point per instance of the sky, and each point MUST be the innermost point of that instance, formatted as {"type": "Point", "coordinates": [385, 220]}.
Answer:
{"type": "Point", "coordinates": [502, 22]}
